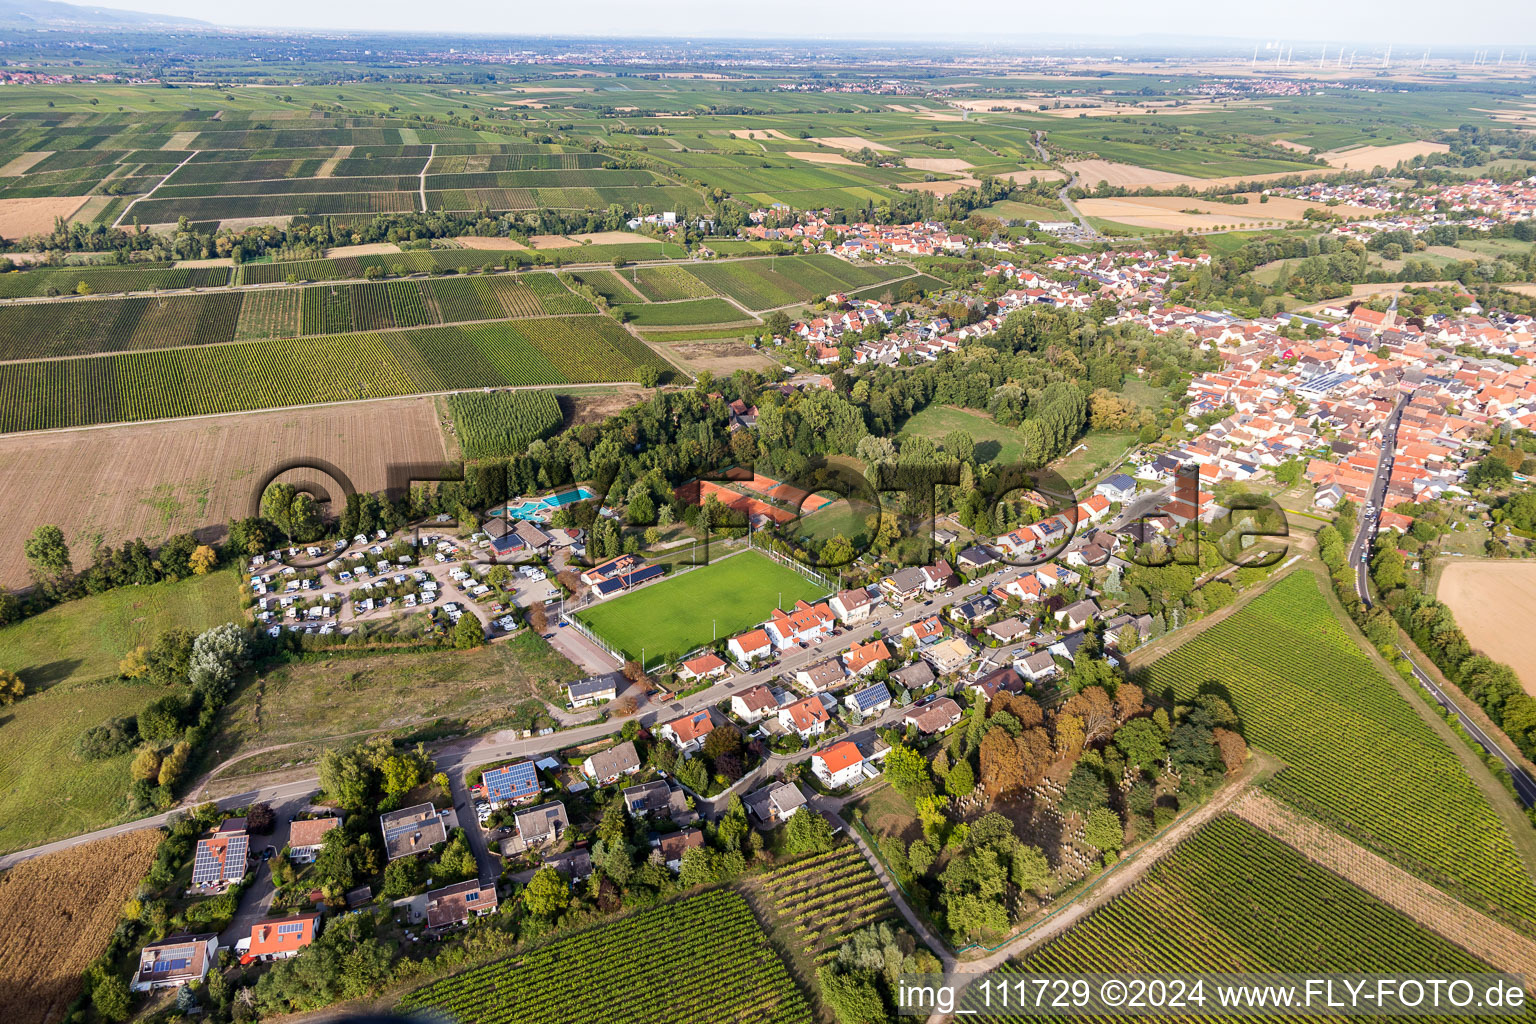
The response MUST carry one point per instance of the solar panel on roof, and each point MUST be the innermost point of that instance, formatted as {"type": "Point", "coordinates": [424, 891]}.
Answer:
{"type": "Point", "coordinates": [208, 867]}
{"type": "Point", "coordinates": [512, 781]}
{"type": "Point", "coordinates": [291, 928]}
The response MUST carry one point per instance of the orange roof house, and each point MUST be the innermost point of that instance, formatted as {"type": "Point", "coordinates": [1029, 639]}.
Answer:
{"type": "Point", "coordinates": [280, 937]}
{"type": "Point", "coordinates": [863, 657]}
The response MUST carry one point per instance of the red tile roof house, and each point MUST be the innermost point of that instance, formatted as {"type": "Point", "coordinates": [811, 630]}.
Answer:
{"type": "Point", "coordinates": [306, 837]}
{"type": "Point", "coordinates": [805, 717]}
{"type": "Point", "coordinates": [279, 938]}
{"type": "Point", "coordinates": [687, 734]}
{"type": "Point", "coordinates": [863, 658]}
{"type": "Point", "coordinates": [804, 624]}
{"type": "Point", "coordinates": [839, 765]}
{"type": "Point", "coordinates": [452, 906]}
{"type": "Point", "coordinates": [705, 666]}
{"type": "Point", "coordinates": [174, 961]}
{"type": "Point", "coordinates": [750, 647]}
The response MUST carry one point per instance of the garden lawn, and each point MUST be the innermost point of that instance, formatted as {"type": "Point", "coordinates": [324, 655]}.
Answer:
{"type": "Point", "coordinates": [1094, 451]}
{"type": "Point", "coordinates": [994, 442]}
{"type": "Point", "coordinates": [677, 615]}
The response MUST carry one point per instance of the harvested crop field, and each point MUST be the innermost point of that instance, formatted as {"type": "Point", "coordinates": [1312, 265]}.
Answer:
{"type": "Point", "coordinates": [1091, 172]}
{"type": "Point", "coordinates": [1365, 158]}
{"type": "Point", "coordinates": [1178, 213]}
{"type": "Point", "coordinates": [852, 142]}
{"type": "Point", "coordinates": [759, 133]}
{"type": "Point", "coordinates": [1495, 606]}
{"type": "Point", "coordinates": [939, 188]}
{"type": "Point", "coordinates": [551, 242]}
{"type": "Point", "coordinates": [368, 249]}
{"type": "Point", "coordinates": [939, 165]}
{"type": "Point", "coordinates": [156, 479]}
{"type": "Point", "coordinates": [491, 244]}
{"type": "Point", "coordinates": [613, 237]}
{"type": "Point", "coordinates": [52, 940]}
{"type": "Point", "coordinates": [818, 157]}
{"type": "Point", "coordinates": [19, 217]}
{"type": "Point", "coordinates": [720, 358]}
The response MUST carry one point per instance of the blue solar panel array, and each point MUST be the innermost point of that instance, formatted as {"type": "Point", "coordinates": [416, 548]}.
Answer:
{"type": "Point", "coordinates": [513, 782]}
{"type": "Point", "coordinates": [208, 869]}
{"type": "Point", "coordinates": [871, 695]}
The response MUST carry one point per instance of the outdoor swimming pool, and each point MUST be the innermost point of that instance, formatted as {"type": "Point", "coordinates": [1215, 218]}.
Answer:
{"type": "Point", "coordinates": [541, 508]}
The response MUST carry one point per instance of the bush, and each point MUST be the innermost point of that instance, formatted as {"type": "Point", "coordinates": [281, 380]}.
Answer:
{"type": "Point", "coordinates": [110, 739]}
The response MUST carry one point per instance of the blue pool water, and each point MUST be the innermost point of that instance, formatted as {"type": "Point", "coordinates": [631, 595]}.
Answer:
{"type": "Point", "coordinates": [541, 508]}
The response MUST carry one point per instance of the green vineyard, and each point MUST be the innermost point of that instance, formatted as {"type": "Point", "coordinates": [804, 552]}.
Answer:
{"type": "Point", "coordinates": [100, 280]}
{"type": "Point", "coordinates": [1231, 899]}
{"type": "Point", "coordinates": [42, 330]}
{"type": "Point", "coordinates": [826, 896]}
{"type": "Point", "coordinates": [501, 423]}
{"type": "Point", "coordinates": [700, 960]}
{"type": "Point", "coordinates": [271, 374]}
{"type": "Point", "coordinates": [1357, 755]}
{"type": "Point", "coordinates": [47, 329]}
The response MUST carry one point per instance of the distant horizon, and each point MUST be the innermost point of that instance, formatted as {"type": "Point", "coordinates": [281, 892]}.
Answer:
{"type": "Point", "coordinates": [1367, 26]}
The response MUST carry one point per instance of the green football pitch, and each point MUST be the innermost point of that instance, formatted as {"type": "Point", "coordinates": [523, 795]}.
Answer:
{"type": "Point", "coordinates": [679, 614]}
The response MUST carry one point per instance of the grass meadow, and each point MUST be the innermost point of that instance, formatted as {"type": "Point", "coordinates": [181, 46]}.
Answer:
{"type": "Point", "coordinates": [46, 790]}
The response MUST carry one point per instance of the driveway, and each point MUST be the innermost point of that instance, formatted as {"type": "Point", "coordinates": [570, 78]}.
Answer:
{"type": "Point", "coordinates": [258, 895]}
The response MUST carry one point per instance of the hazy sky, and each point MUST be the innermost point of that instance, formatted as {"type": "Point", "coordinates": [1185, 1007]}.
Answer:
{"type": "Point", "coordinates": [1481, 23]}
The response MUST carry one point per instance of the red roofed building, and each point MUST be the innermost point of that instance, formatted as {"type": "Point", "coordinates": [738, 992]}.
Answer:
{"type": "Point", "coordinates": [839, 765]}
{"type": "Point", "coordinates": [804, 624]}
{"type": "Point", "coordinates": [687, 733]}
{"type": "Point", "coordinates": [750, 646]}
{"type": "Point", "coordinates": [861, 659]}
{"type": "Point", "coordinates": [924, 631]}
{"type": "Point", "coordinates": [806, 717]}
{"type": "Point", "coordinates": [705, 666]}
{"type": "Point", "coordinates": [279, 938]}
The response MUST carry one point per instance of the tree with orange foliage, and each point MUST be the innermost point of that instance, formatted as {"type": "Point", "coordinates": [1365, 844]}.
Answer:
{"type": "Point", "coordinates": [1234, 751]}
{"type": "Point", "coordinates": [1096, 710]}
{"type": "Point", "coordinates": [1130, 701]}
{"type": "Point", "coordinates": [1021, 706]}
{"type": "Point", "coordinates": [1002, 769]}
{"type": "Point", "coordinates": [1035, 753]}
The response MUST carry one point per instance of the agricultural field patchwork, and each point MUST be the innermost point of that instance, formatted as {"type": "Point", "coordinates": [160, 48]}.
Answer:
{"type": "Point", "coordinates": [1357, 755]}
{"type": "Point", "coordinates": [1232, 899]}
{"type": "Point", "coordinates": [331, 368]}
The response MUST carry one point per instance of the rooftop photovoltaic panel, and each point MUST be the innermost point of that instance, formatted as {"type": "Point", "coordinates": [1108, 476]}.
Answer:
{"type": "Point", "coordinates": [220, 859]}
{"type": "Point", "coordinates": [512, 782]}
